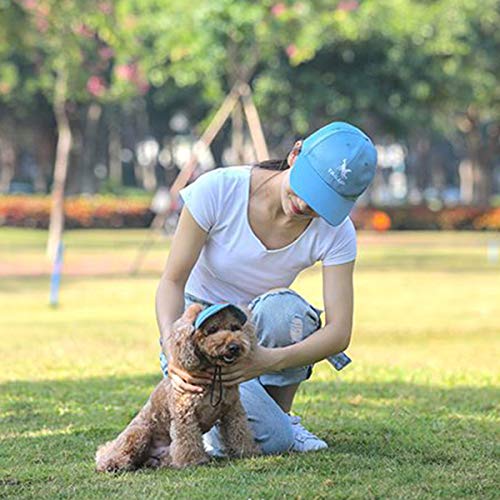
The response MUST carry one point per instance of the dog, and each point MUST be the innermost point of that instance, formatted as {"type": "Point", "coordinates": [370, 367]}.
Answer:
{"type": "Point", "coordinates": [168, 431]}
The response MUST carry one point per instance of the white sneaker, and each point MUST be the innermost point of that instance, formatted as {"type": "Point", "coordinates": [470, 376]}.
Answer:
{"type": "Point", "coordinates": [305, 440]}
{"type": "Point", "coordinates": [212, 446]}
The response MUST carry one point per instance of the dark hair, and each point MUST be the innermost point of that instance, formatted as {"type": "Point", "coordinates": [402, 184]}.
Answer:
{"type": "Point", "coordinates": [273, 164]}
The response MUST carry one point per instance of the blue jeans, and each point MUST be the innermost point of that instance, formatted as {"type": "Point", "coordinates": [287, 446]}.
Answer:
{"type": "Point", "coordinates": [281, 317]}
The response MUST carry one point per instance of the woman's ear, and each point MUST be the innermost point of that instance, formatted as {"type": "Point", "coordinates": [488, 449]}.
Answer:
{"type": "Point", "coordinates": [292, 156]}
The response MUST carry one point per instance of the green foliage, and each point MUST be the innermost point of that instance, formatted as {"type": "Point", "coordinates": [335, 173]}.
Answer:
{"type": "Point", "coordinates": [411, 64]}
{"type": "Point", "coordinates": [73, 40]}
{"type": "Point", "coordinates": [400, 68]}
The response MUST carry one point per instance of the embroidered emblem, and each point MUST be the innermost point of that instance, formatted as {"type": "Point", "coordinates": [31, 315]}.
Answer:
{"type": "Point", "coordinates": [344, 170]}
{"type": "Point", "coordinates": [340, 175]}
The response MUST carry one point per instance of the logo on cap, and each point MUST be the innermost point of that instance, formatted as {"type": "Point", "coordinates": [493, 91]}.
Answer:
{"type": "Point", "coordinates": [340, 175]}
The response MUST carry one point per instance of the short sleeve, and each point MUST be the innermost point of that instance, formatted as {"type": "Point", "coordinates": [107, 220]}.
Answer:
{"type": "Point", "coordinates": [202, 199]}
{"type": "Point", "coordinates": [343, 247]}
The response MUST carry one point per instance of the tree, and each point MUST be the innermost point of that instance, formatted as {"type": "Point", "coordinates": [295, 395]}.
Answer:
{"type": "Point", "coordinates": [407, 68]}
{"type": "Point", "coordinates": [412, 69]}
{"type": "Point", "coordinates": [70, 57]}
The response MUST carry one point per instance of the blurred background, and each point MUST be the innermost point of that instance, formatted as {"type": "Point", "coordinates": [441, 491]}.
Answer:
{"type": "Point", "coordinates": [117, 95]}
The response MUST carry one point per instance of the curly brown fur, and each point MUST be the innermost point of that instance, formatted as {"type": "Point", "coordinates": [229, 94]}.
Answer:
{"type": "Point", "coordinates": [168, 431]}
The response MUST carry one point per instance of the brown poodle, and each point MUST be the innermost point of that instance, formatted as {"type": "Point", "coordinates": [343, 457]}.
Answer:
{"type": "Point", "coordinates": [168, 431]}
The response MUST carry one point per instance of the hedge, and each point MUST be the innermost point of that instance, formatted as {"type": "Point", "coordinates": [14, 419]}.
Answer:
{"type": "Point", "coordinates": [108, 212]}
{"type": "Point", "coordinates": [80, 212]}
{"type": "Point", "coordinates": [422, 217]}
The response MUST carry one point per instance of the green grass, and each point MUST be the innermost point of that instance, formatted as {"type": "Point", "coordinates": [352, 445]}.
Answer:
{"type": "Point", "coordinates": [415, 415]}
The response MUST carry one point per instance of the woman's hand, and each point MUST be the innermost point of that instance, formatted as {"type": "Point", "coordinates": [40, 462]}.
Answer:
{"type": "Point", "coordinates": [183, 381]}
{"type": "Point", "coordinates": [261, 360]}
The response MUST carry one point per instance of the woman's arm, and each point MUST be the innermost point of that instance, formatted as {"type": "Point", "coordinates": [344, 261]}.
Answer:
{"type": "Point", "coordinates": [333, 338]}
{"type": "Point", "coordinates": [187, 244]}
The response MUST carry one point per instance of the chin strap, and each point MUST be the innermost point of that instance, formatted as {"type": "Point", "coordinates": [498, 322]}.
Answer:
{"type": "Point", "coordinates": [216, 379]}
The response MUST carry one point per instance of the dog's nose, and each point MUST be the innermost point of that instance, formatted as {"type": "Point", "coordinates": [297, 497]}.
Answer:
{"type": "Point", "coordinates": [233, 348]}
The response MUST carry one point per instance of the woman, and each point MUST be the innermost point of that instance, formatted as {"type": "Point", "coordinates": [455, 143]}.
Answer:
{"type": "Point", "coordinates": [243, 235]}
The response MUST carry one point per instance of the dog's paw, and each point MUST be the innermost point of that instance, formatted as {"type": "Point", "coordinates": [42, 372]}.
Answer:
{"type": "Point", "coordinates": [107, 460]}
{"type": "Point", "coordinates": [112, 466]}
{"type": "Point", "coordinates": [159, 457]}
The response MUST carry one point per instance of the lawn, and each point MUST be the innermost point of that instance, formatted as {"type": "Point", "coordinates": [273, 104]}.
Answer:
{"type": "Point", "coordinates": [415, 415]}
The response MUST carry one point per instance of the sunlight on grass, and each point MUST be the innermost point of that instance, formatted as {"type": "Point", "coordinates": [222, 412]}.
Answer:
{"type": "Point", "coordinates": [413, 416]}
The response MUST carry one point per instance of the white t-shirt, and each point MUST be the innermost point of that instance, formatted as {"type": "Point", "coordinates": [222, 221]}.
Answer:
{"type": "Point", "coordinates": [234, 265]}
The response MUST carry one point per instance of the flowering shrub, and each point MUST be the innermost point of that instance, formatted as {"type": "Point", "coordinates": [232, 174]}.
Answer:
{"type": "Point", "coordinates": [422, 217]}
{"type": "Point", "coordinates": [458, 217]}
{"type": "Point", "coordinates": [370, 218]}
{"type": "Point", "coordinates": [102, 212]}
{"type": "Point", "coordinates": [488, 220]}
{"type": "Point", "coordinates": [111, 212]}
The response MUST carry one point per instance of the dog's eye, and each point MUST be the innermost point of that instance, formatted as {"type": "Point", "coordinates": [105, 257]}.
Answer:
{"type": "Point", "coordinates": [235, 327]}
{"type": "Point", "coordinates": [210, 330]}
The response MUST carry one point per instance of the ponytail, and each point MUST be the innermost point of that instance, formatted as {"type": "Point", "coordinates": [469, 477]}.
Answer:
{"type": "Point", "coordinates": [273, 164]}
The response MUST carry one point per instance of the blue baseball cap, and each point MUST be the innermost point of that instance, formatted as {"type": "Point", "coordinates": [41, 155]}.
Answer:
{"type": "Point", "coordinates": [214, 309]}
{"type": "Point", "coordinates": [334, 167]}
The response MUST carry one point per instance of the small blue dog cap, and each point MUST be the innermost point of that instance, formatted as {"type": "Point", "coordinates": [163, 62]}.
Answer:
{"type": "Point", "coordinates": [214, 309]}
{"type": "Point", "coordinates": [334, 167]}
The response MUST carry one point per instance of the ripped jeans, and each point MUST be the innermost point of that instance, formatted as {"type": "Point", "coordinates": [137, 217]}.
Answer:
{"type": "Point", "coordinates": [281, 317]}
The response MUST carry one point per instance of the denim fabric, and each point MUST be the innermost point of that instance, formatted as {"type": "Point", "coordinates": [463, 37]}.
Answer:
{"type": "Point", "coordinates": [282, 317]}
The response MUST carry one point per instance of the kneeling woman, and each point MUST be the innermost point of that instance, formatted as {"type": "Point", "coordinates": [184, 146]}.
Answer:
{"type": "Point", "coordinates": [243, 236]}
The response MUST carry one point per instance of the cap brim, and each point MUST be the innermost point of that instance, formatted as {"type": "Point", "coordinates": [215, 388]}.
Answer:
{"type": "Point", "coordinates": [216, 308]}
{"type": "Point", "coordinates": [323, 199]}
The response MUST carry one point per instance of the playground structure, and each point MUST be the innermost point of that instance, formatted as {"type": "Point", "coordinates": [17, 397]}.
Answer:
{"type": "Point", "coordinates": [240, 96]}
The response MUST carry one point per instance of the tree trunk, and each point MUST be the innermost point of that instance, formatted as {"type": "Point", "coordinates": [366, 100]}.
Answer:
{"type": "Point", "coordinates": [7, 163]}
{"type": "Point", "coordinates": [483, 183]}
{"type": "Point", "coordinates": [88, 178]}
{"type": "Point", "coordinates": [481, 142]}
{"type": "Point", "coordinates": [149, 181]}
{"type": "Point", "coordinates": [466, 173]}
{"type": "Point", "coordinates": [144, 171]}
{"type": "Point", "coordinates": [56, 225]}
{"type": "Point", "coordinates": [114, 151]}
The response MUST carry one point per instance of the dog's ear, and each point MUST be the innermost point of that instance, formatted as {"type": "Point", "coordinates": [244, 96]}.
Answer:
{"type": "Point", "coordinates": [191, 313]}
{"type": "Point", "coordinates": [182, 345]}
{"type": "Point", "coordinates": [249, 327]}
{"type": "Point", "coordinates": [248, 313]}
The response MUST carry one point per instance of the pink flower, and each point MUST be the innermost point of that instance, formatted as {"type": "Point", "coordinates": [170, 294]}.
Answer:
{"type": "Point", "coordinates": [106, 53]}
{"type": "Point", "coordinates": [348, 5]}
{"type": "Point", "coordinates": [299, 7]}
{"type": "Point", "coordinates": [42, 25]}
{"type": "Point", "coordinates": [30, 4]}
{"type": "Point", "coordinates": [278, 9]}
{"type": "Point", "coordinates": [43, 9]}
{"type": "Point", "coordinates": [125, 72]}
{"type": "Point", "coordinates": [291, 50]}
{"type": "Point", "coordinates": [96, 86]}
{"type": "Point", "coordinates": [132, 73]}
{"type": "Point", "coordinates": [142, 86]}
{"type": "Point", "coordinates": [105, 7]}
{"type": "Point", "coordinates": [83, 30]}
{"type": "Point", "coordinates": [4, 88]}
